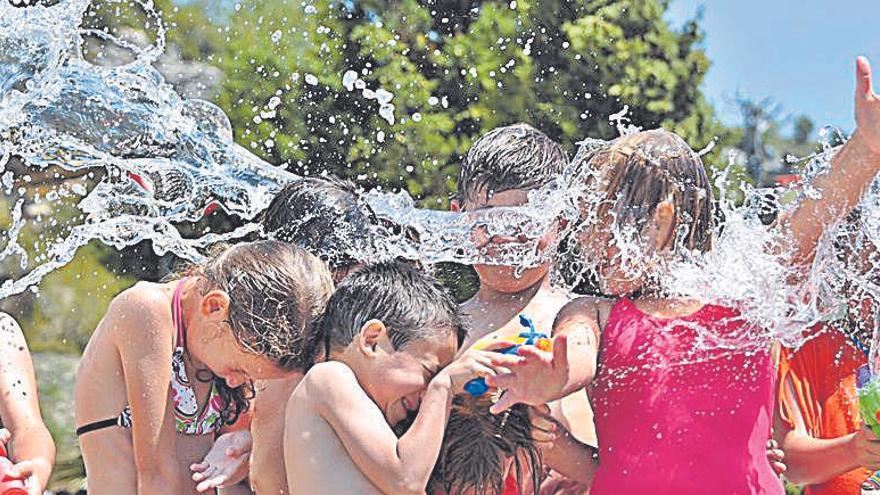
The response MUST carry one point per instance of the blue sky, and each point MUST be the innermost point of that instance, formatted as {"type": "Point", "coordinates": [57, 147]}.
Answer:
{"type": "Point", "coordinates": [800, 53]}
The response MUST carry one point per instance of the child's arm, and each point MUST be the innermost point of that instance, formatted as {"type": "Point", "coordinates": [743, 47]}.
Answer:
{"type": "Point", "coordinates": [30, 445]}
{"type": "Point", "coordinates": [812, 460]}
{"type": "Point", "coordinates": [543, 377]}
{"type": "Point", "coordinates": [139, 322]}
{"type": "Point", "coordinates": [404, 465]}
{"type": "Point", "coordinates": [560, 450]}
{"type": "Point", "coordinates": [852, 169]}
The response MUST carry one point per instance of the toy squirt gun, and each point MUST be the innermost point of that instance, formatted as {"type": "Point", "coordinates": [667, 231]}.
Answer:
{"type": "Point", "coordinates": [478, 387]}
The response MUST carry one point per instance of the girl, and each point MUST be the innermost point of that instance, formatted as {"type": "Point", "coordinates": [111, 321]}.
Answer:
{"type": "Point", "coordinates": [172, 363]}
{"type": "Point", "coordinates": [817, 416]}
{"type": "Point", "coordinates": [24, 435]}
{"type": "Point", "coordinates": [671, 418]}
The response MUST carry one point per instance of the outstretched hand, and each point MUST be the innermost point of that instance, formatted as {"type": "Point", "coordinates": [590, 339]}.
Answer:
{"type": "Point", "coordinates": [539, 377]}
{"type": "Point", "coordinates": [227, 462]}
{"type": "Point", "coordinates": [867, 106]}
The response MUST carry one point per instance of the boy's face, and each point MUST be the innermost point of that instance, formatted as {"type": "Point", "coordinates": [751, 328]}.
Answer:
{"type": "Point", "coordinates": [399, 378]}
{"type": "Point", "coordinates": [499, 277]}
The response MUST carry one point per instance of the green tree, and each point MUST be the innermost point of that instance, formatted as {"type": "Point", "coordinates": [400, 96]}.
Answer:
{"type": "Point", "coordinates": [456, 69]}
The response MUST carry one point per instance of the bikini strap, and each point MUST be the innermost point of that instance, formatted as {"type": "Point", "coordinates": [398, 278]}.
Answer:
{"type": "Point", "coordinates": [177, 314]}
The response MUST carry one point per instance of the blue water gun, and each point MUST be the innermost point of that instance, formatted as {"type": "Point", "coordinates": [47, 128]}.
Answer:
{"type": "Point", "coordinates": [478, 387]}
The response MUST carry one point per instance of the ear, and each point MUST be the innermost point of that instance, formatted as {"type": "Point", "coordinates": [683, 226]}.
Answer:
{"type": "Point", "coordinates": [215, 304]}
{"type": "Point", "coordinates": [371, 336]}
{"type": "Point", "coordinates": [664, 220]}
{"type": "Point", "coordinates": [454, 206]}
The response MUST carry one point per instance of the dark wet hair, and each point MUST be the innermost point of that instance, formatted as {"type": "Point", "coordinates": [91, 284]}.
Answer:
{"type": "Point", "coordinates": [324, 216]}
{"type": "Point", "coordinates": [516, 156]}
{"type": "Point", "coordinates": [411, 304]}
{"type": "Point", "coordinates": [640, 171]}
{"type": "Point", "coordinates": [276, 292]}
{"type": "Point", "coordinates": [476, 446]}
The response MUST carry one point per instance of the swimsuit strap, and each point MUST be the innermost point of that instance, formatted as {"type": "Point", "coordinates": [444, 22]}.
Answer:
{"type": "Point", "coordinates": [177, 314]}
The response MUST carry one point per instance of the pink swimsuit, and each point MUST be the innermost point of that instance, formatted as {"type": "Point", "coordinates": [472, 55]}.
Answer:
{"type": "Point", "coordinates": [672, 418]}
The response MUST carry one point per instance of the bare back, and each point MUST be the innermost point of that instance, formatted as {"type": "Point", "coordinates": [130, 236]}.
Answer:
{"type": "Point", "coordinates": [267, 471]}
{"type": "Point", "coordinates": [315, 458]}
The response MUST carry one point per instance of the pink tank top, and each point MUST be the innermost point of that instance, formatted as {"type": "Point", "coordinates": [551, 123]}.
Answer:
{"type": "Point", "coordinates": [673, 418]}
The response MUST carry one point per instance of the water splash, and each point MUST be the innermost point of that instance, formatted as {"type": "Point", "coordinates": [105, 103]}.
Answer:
{"type": "Point", "coordinates": [156, 161]}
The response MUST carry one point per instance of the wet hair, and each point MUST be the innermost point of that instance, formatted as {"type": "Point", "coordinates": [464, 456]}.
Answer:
{"type": "Point", "coordinates": [858, 257]}
{"type": "Point", "coordinates": [411, 304]}
{"type": "Point", "coordinates": [276, 292]}
{"type": "Point", "coordinates": [324, 216]}
{"type": "Point", "coordinates": [640, 171]}
{"type": "Point", "coordinates": [476, 446]}
{"type": "Point", "coordinates": [516, 156]}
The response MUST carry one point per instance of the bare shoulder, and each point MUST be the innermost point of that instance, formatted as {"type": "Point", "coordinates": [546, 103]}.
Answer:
{"type": "Point", "coordinates": [328, 380]}
{"type": "Point", "coordinates": [589, 310]}
{"type": "Point", "coordinates": [10, 332]}
{"type": "Point", "coordinates": [136, 311]}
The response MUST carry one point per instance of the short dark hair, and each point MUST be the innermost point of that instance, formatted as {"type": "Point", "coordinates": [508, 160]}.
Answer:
{"type": "Point", "coordinates": [324, 216]}
{"type": "Point", "coordinates": [411, 304]}
{"type": "Point", "coordinates": [516, 156]}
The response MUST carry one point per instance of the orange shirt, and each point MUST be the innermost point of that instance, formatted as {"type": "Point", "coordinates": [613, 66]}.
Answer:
{"type": "Point", "coordinates": [822, 375]}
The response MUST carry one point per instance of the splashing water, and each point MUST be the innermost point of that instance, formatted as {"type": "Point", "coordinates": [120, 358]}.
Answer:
{"type": "Point", "coordinates": [145, 164]}
{"type": "Point", "coordinates": [160, 161]}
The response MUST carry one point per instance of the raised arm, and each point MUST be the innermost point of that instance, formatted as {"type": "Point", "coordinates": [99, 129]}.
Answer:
{"type": "Point", "coordinates": [400, 466]}
{"type": "Point", "coordinates": [542, 377]}
{"type": "Point", "coordinates": [852, 169]}
{"type": "Point", "coordinates": [140, 324]}
{"type": "Point", "coordinates": [30, 445]}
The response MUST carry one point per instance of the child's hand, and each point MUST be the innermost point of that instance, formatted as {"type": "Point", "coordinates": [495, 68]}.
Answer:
{"type": "Point", "coordinates": [776, 457]}
{"type": "Point", "coordinates": [535, 380]}
{"type": "Point", "coordinates": [474, 364]}
{"type": "Point", "coordinates": [867, 448]}
{"type": "Point", "coordinates": [867, 106]}
{"type": "Point", "coordinates": [27, 470]}
{"type": "Point", "coordinates": [227, 462]}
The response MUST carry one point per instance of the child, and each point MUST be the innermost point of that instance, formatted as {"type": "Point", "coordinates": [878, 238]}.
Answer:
{"type": "Point", "coordinates": [499, 170]}
{"type": "Point", "coordinates": [666, 422]}
{"type": "Point", "coordinates": [817, 416]}
{"type": "Point", "coordinates": [169, 364]}
{"type": "Point", "coordinates": [324, 217]}
{"type": "Point", "coordinates": [24, 435]}
{"type": "Point", "coordinates": [483, 453]}
{"type": "Point", "coordinates": [388, 330]}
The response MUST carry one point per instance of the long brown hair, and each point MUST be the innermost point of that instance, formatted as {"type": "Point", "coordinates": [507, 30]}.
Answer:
{"type": "Point", "coordinates": [640, 171]}
{"type": "Point", "coordinates": [276, 292]}
{"type": "Point", "coordinates": [477, 445]}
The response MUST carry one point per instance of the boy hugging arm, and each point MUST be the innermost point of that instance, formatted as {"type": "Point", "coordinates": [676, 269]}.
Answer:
{"type": "Point", "coordinates": [389, 332]}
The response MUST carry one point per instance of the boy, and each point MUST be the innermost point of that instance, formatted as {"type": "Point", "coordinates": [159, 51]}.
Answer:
{"type": "Point", "coordinates": [387, 331]}
{"type": "Point", "coordinates": [499, 170]}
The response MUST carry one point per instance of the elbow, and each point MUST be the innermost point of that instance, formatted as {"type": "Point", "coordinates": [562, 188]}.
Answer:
{"type": "Point", "coordinates": [411, 489]}
{"type": "Point", "coordinates": [412, 485]}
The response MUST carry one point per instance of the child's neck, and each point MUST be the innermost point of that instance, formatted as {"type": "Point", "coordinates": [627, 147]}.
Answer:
{"type": "Point", "coordinates": [488, 296]}
{"type": "Point", "coordinates": [666, 307]}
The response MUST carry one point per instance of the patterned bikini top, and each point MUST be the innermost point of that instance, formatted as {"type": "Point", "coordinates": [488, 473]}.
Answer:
{"type": "Point", "coordinates": [188, 419]}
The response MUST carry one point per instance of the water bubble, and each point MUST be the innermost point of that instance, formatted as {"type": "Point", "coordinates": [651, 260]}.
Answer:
{"type": "Point", "coordinates": [433, 100]}
{"type": "Point", "coordinates": [276, 36]}
{"type": "Point", "coordinates": [311, 79]}
{"type": "Point", "coordinates": [348, 79]}
{"type": "Point", "coordinates": [417, 117]}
